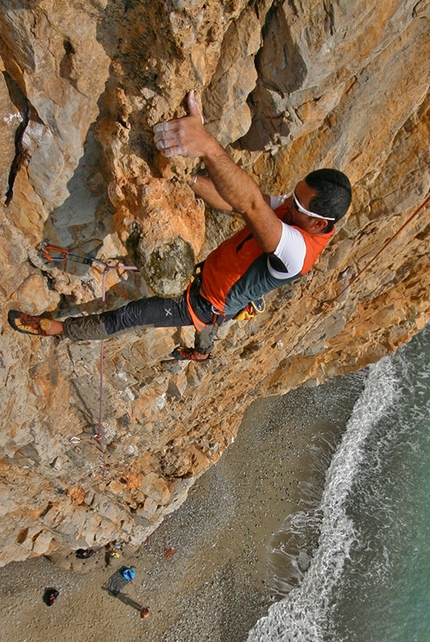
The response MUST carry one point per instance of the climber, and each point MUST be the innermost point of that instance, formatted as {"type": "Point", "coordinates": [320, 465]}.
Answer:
{"type": "Point", "coordinates": [281, 240]}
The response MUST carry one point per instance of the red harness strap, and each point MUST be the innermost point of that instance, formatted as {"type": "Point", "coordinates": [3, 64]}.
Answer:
{"type": "Point", "coordinates": [198, 324]}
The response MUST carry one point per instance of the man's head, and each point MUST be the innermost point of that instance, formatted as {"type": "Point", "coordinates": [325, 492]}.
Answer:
{"type": "Point", "coordinates": [333, 194]}
{"type": "Point", "coordinates": [318, 201]}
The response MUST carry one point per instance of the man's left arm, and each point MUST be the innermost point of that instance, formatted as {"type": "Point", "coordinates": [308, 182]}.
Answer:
{"type": "Point", "coordinates": [203, 187]}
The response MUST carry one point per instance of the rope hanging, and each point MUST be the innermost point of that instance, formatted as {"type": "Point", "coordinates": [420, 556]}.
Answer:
{"type": "Point", "coordinates": [53, 253]}
{"type": "Point", "coordinates": [99, 436]}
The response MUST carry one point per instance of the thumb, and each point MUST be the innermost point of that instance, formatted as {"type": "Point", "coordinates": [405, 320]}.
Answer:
{"type": "Point", "coordinates": [193, 109]}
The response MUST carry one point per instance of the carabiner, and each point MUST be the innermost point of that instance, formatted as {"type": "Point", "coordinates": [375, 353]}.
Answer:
{"type": "Point", "coordinates": [47, 249]}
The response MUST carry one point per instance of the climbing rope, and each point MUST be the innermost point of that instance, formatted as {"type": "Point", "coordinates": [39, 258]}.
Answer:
{"type": "Point", "coordinates": [53, 253]}
{"type": "Point", "coordinates": [331, 303]}
{"type": "Point", "coordinates": [99, 435]}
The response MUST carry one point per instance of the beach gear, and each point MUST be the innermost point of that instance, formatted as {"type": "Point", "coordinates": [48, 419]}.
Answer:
{"type": "Point", "coordinates": [28, 324]}
{"type": "Point", "coordinates": [128, 574]}
{"type": "Point", "coordinates": [84, 553]}
{"type": "Point", "coordinates": [50, 595]}
{"type": "Point", "coordinates": [119, 579]}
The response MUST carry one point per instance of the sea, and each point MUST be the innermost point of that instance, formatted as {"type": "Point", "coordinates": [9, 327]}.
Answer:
{"type": "Point", "coordinates": [366, 578]}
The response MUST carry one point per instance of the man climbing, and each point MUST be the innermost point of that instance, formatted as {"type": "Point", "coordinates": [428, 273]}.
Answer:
{"type": "Point", "coordinates": [281, 240]}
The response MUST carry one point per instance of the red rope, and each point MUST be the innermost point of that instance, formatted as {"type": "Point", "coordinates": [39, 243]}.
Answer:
{"type": "Point", "coordinates": [357, 276]}
{"type": "Point", "coordinates": [94, 263]}
{"type": "Point", "coordinates": [99, 436]}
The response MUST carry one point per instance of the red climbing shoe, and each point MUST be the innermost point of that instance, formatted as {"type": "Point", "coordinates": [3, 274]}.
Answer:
{"type": "Point", "coordinates": [28, 324]}
{"type": "Point", "coordinates": [189, 354]}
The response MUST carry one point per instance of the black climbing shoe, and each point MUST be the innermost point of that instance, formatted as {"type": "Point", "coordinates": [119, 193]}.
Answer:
{"type": "Point", "coordinates": [189, 354]}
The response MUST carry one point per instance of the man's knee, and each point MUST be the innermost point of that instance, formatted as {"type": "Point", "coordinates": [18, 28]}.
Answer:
{"type": "Point", "coordinates": [87, 328]}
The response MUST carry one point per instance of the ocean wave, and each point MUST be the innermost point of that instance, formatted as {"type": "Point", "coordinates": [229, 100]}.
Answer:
{"type": "Point", "coordinates": [304, 615]}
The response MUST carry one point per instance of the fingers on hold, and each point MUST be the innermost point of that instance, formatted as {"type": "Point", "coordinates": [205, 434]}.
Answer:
{"type": "Point", "coordinates": [161, 143]}
{"type": "Point", "coordinates": [164, 126]}
{"type": "Point", "coordinates": [165, 135]}
{"type": "Point", "coordinates": [160, 135]}
{"type": "Point", "coordinates": [166, 141]}
{"type": "Point", "coordinates": [173, 151]}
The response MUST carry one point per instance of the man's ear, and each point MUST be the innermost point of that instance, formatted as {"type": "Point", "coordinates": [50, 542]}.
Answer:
{"type": "Point", "coordinates": [318, 224]}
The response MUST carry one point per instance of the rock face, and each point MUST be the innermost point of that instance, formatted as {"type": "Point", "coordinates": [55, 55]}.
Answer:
{"type": "Point", "coordinates": [289, 87]}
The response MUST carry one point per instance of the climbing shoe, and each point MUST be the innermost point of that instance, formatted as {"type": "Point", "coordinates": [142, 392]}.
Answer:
{"type": "Point", "coordinates": [28, 324]}
{"type": "Point", "coordinates": [189, 354]}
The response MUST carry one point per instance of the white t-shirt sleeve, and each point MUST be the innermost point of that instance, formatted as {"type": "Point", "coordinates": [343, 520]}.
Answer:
{"type": "Point", "coordinates": [277, 201]}
{"type": "Point", "coordinates": [291, 251]}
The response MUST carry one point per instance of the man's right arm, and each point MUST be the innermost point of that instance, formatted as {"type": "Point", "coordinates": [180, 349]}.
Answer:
{"type": "Point", "coordinates": [187, 137]}
{"type": "Point", "coordinates": [204, 188]}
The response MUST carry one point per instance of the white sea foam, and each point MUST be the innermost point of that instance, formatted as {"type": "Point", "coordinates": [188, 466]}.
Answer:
{"type": "Point", "coordinates": [304, 616]}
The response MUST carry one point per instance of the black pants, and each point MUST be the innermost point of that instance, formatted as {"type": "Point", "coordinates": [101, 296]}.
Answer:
{"type": "Point", "coordinates": [154, 311]}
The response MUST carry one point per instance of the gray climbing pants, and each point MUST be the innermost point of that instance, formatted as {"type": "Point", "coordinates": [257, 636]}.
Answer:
{"type": "Point", "coordinates": [155, 312]}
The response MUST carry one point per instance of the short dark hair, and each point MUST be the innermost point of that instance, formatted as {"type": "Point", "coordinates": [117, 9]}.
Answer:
{"type": "Point", "coordinates": [333, 193]}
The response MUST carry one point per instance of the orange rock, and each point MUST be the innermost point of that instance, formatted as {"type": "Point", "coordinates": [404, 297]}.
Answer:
{"type": "Point", "coordinates": [77, 495]}
{"type": "Point", "coordinates": [349, 89]}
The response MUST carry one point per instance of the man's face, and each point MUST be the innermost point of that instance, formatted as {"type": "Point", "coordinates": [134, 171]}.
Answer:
{"type": "Point", "coordinates": [304, 194]}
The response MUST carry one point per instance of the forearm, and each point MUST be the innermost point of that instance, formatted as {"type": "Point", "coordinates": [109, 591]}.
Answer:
{"type": "Point", "coordinates": [231, 183]}
{"type": "Point", "coordinates": [204, 188]}
{"type": "Point", "coordinates": [243, 195]}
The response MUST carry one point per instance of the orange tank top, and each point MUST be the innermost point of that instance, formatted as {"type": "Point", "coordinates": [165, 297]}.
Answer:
{"type": "Point", "coordinates": [236, 272]}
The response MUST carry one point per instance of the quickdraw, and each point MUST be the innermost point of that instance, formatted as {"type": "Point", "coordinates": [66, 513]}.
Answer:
{"type": "Point", "coordinates": [53, 253]}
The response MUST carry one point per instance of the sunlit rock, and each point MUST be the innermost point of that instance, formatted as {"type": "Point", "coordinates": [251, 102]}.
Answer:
{"type": "Point", "coordinates": [290, 87]}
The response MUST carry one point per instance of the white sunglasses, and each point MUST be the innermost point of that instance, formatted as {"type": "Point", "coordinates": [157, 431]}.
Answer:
{"type": "Point", "coordinates": [304, 211]}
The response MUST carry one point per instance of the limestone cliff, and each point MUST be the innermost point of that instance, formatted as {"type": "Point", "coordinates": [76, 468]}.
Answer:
{"type": "Point", "coordinates": [288, 87]}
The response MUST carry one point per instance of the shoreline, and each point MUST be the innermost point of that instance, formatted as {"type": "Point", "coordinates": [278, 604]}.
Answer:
{"type": "Point", "coordinates": [214, 586]}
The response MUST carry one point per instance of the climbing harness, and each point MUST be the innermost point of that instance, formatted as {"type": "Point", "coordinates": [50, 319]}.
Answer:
{"type": "Point", "coordinates": [53, 253]}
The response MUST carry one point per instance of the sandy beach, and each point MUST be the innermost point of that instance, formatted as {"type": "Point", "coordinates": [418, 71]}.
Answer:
{"type": "Point", "coordinates": [203, 574]}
